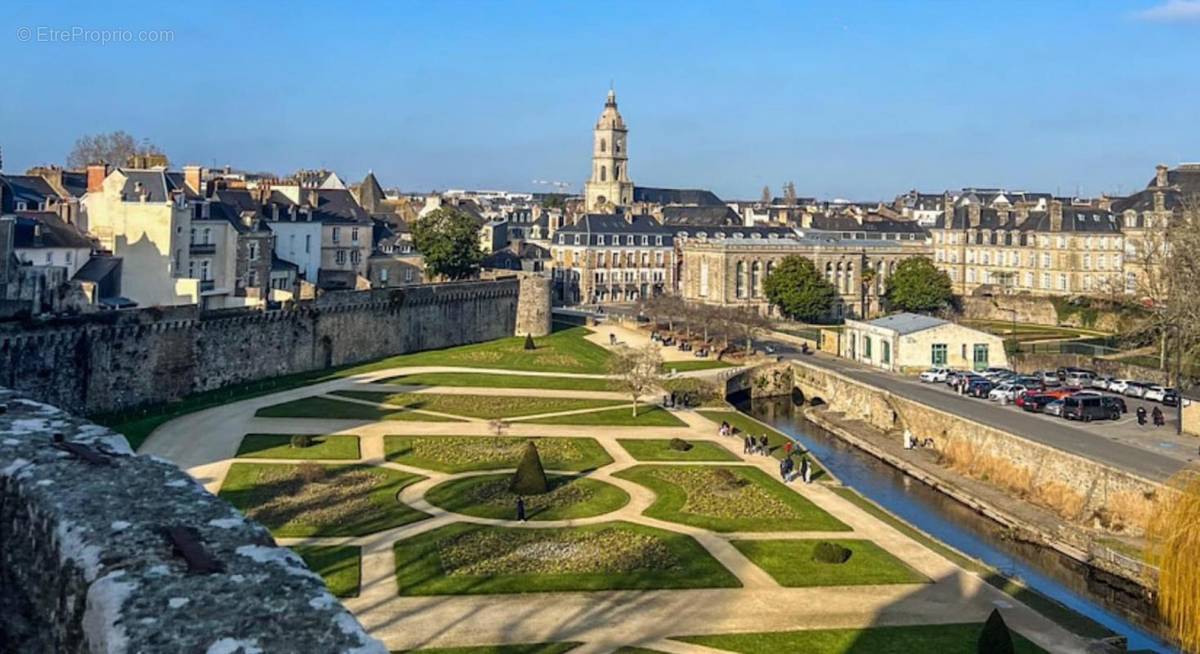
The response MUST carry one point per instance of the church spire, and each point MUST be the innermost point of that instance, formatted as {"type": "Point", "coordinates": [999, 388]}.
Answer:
{"type": "Point", "coordinates": [609, 186]}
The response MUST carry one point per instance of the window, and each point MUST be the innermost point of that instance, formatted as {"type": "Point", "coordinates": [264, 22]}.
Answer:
{"type": "Point", "coordinates": [50, 257]}
{"type": "Point", "coordinates": [340, 257]}
{"type": "Point", "coordinates": [207, 236]}
{"type": "Point", "coordinates": [307, 243]}
{"type": "Point", "coordinates": [866, 348]}
{"type": "Point", "coordinates": [253, 280]}
{"type": "Point", "coordinates": [205, 272]}
{"type": "Point", "coordinates": [741, 279]}
{"type": "Point", "coordinates": [337, 234]}
{"type": "Point", "coordinates": [937, 354]}
{"type": "Point", "coordinates": [886, 353]}
{"type": "Point", "coordinates": [704, 278]}
{"type": "Point", "coordinates": [980, 359]}
{"type": "Point", "coordinates": [383, 275]}
{"type": "Point", "coordinates": [67, 255]}
{"type": "Point", "coordinates": [756, 279]}
{"type": "Point", "coordinates": [253, 247]}
{"type": "Point", "coordinates": [658, 240]}
{"type": "Point", "coordinates": [645, 240]}
{"type": "Point", "coordinates": [603, 145]}
{"type": "Point", "coordinates": [355, 257]}
{"type": "Point", "coordinates": [408, 275]}
{"type": "Point", "coordinates": [354, 235]}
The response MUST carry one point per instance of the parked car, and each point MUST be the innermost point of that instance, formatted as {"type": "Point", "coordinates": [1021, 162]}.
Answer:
{"type": "Point", "coordinates": [1135, 389]}
{"type": "Point", "coordinates": [1035, 402]}
{"type": "Point", "coordinates": [1007, 392]}
{"type": "Point", "coordinates": [934, 375]}
{"type": "Point", "coordinates": [1102, 382]}
{"type": "Point", "coordinates": [1155, 393]}
{"type": "Point", "coordinates": [1049, 378]}
{"type": "Point", "coordinates": [1053, 408]}
{"type": "Point", "coordinates": [992, 373]}
{"type": "Point", "coordinates": [1088, 408]}
{"type": "Point", "coordinates": [1028, 381]}
{"type": "Point", "coordinates": [1171, 398]}
{"type": "Point", "coordinates": [979, 388]}
{"type": "Point", "coordinates": [1067, 371]}
{"type": "Point", "coordinates": [1079, 379]}
{"type": "Point", "coordinates": [1115, 401]}
{"type": "Point", "coordinates": [1118, 385]}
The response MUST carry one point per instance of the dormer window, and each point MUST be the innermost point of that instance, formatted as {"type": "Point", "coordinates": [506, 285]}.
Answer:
{"type": "Point", "coordinates": [719, 235]}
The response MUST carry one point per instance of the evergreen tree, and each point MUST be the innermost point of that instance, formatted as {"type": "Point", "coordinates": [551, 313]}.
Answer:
{"type": "Point", "coordinates": [530, 477]}
{"type": "Point", "coordinates": [766, 195]}
{"type": "Point", "coordinates": [529, 344]}
{"type": "Point", "coordinates": [995, 639]}
{"type": "Point", "coordinates": [918, 285]}
{"type": "Point", "coordinates": [799, 291]}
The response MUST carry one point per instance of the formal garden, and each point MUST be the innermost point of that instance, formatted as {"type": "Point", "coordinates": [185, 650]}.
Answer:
{"type": "Point", "coordinates": [468, 483]}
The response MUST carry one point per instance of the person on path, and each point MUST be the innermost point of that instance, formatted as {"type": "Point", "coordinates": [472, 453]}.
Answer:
{"type": "Point", "coordinates": [764, 446]}
{"type": "Point", "coordinates": [783, 470]}
{"type": "Point", "coordinates": [1141, 416]}
{"type": "Point", "coordinates": [791, 469]}
{"type": "Point", "coordinates": [787, 449]}
{"type": "Point", "coordinates": [805, 470]}
{"type": "Point", "coordinates": [747, 445]}
{"type": "Point", "coordinates": [1159, 418]}
{"type": "Point", "coordinates": [521, 509]}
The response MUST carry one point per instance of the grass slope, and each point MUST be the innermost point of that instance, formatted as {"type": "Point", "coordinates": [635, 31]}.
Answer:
{"type": "Point", "coordinates": [535, 648]}
{"type": "Point", "coordinates": [279, 446]}
{"type": "Point", "coordinates": [480, 406]}
{"type": "Point", "coordinates": [659, 449]}
{"type": "Point", "coordinates": [492, 380]}
{"type": "Point", "coordinates": [759, 504]}
{"type": "Point", "coordinates": [339, 565]}
{"type": "Point", "coordinates": [942, 639]}
{"type": "Point", "coordinates": [323, 407]}
{"type": "Point", "coordinates": [421, 567]}
{"type": "Point", "coordinates": [471, 453]}
{"type": "Point", "coordinates": [648, 416]}
{"type": "Point", "coordinates": [346, 500]}
{"type": "Point", "coordinates": [790, 562]}
{"type": "Point", "coordinates": [486, 496]}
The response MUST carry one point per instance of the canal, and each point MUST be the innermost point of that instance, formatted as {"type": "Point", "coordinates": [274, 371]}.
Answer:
{"type": "Point", "coordinates": [1044, 570]}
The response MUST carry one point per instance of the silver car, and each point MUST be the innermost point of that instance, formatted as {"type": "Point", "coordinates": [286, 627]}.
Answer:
{"type": "Point", "coordinates": [1055, 408]}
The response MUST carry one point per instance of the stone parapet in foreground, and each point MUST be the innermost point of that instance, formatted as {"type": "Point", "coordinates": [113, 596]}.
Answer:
{"type": "Point", "coordinates": [86, 565]}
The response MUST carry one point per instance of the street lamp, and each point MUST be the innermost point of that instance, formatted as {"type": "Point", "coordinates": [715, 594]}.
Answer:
{"type": "Point", "coordinates": [1178, 377]}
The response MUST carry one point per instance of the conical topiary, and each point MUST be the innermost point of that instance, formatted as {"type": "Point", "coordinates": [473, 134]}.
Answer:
{"type": "Point", "coordinates": [995, 639]}
{"type": "Point", "coordinates": [530, 477]}
{"type": "Point", "coordinates": [529, 344]}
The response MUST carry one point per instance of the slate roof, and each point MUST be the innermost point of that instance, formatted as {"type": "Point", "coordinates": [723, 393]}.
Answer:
{"type": "Point", "coordinates": [873, 224]}
{"type": "Point", "coordinates": [33, 190]}
{"type": "Point", "coordinates": [701, 215]}
{"type": "Point", "coordinates": [282, 264]}
{"type": "Point", "coordinates": [907, 323]}
{"type": "Point", "coordinates": [676, 196]}
{"type": "Point", "coordinates": [155, 183]}
{"type": "Point", "coordinates": [338, 206]}
{"type": "Point", "coordinates": [1075, 219]}
{"type": "Point", "coordinates": [98, 268]}
{"type": "Point", "coordinates": [54, 233]}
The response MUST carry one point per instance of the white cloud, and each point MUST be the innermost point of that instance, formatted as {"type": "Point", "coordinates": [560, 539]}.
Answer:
{"type": "Point", "coordinates": [1173, 11]}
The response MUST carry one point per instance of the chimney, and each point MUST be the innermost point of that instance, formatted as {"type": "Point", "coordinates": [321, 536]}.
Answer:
{"type": "Point", "coordinates": [95, 176]}
{"type": "Point", "coordinates": [205, 210]}
{"type": "Point", "coordinates": [1160, 175]}
{"type": "Point", "coordinates": [140, 190]}
{"type": "Point", "coordinates": [974, 215]}
{"type": "Point", "coordinates": [1022, 215]}
{"type": "Point", "coordinates": [1056, 215]}
{"type": "Point", "coordinates": [8, 227]}
{"type": "Point", "coordinates": [193, 177]}
{"type": "Point", "coordinates": [1160, 201]}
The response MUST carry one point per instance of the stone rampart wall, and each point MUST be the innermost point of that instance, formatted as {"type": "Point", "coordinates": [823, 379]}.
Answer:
{"type": "Point", "coordinates": [119, 360]}
{"type": "Point", "coordinates": [86, 565]}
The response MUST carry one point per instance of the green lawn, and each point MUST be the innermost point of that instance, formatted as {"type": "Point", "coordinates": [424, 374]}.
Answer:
{"type": "Point", "coordinates": [491, 380]}
{"type": "Point", "coordinates": [790, 562]}
{"type": "Point", "coordinates": [648, 416]}
{"type": "Point", "coordinates": [636, 650]}
{"type": "Point", "coordinates": [311, 499]}
{"type": "Point", "coordinates": [279, 446]}
{"type": "Point", "coordinates": [470, 453]}
{"type": "Point", "coordinates": [698, 364]}
{"type": "Point", "coordinates": [776, 440]}
{"type": "Point", "coordinates": [659, 449]}
{"type": "Point", "coordinates": [461, 559]}
{"type": "Point", "coordinates": [565, 350]}
{"type": "Point", "coordinates": [1061, 615]}
{"type": "Point", "coordinates": [942, 639]}
{"type": "Point", "coordinates": [323, 407]}
{"type": "Point", "coordinates": [487, 496]}
{"type": "Point", "coordinates": [480, 406]}
{"type": "Point", "coordinates": [535, 648]}
{"type": "Point", "coordinates": [339, 565]}
{"type": "Point", "coordinates": [741, 499]}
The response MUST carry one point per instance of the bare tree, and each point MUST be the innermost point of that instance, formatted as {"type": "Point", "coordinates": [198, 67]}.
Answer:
{"type": "Point", "coordinates": [789, 194]}
{"type": "Point", "coordinates": [746, 324]}
{"type": "Point", "coordinates": [766, 195]}
{"type": "Point", "coordinates": [114, 148]}
{"type": "Point", "coordinates": [636, 370]}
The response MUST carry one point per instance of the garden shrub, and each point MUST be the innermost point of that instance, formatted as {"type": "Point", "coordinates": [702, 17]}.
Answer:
{"type": "Point", "coordinates": [826, 552]}
{"type": "Point", "coordinates": [995, 638]}
{"type": "Point", "coordinates": [529, 344]}
{"type": "Point", "coordinates": [311, 473]}
{"type": "Point", "coordinates": [530, 477]}
{"type": "Point", "coordinates": [301, 440]}
{"type": "Point", "coordinates": [680, 445]}
{"type": "Point", "coordinates": [726, 479]}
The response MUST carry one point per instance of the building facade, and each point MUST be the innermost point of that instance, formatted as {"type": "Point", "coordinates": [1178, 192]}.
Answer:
{"type": "Point", "coordinates": [609, 186]}
{"type": "Point", "coordinates": [910, 343]}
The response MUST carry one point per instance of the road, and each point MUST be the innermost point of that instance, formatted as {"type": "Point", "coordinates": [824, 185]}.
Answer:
{"type": "Point", "coordinates": [1122, 445]}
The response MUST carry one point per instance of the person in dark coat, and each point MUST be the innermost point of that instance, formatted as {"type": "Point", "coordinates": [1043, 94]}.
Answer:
{"type": "Point", "coordinates": [783, 472]}
{"type": "Point", "coordinates": [521, 509]}
{"type": "Point", "coordinates": [747, 444]}
{"type": "Point", "coordinates": [1141, 416]}
{"type": "Point", "coordinates": [805, 470]}
{"type": "Point", "coordinates": [1159, 418]}
{"type": "Point", "coordinates": [764, 446]}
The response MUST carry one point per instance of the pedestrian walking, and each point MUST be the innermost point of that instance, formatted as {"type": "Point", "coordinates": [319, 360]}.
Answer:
{"type": "Point", "coordinates": [747, 445]}
{"type": "Point", "coordinates": [1159, 418]}
{"type": "Point", "coordinates": [787, 449]}
{"type": "Point", "coordinates": [791, 469]}
{"type": "Point", "coordinates": [764, 446]}
{"type": "Point", "coordinates": [521, 509]}
{"type": "Point", "coordinates": [783, 470]}
{"type": "Point", "coordinates": [805, 470]}
{"type": "Point", "coordinates": [1141, 416]}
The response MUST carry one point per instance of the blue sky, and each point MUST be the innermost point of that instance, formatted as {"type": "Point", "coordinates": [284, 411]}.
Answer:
{"type": "Point", "coordinates": [862, 100]}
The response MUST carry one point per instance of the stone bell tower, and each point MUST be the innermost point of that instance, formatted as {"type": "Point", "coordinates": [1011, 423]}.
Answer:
{"type": "Point", "coordinates": [609, 186]}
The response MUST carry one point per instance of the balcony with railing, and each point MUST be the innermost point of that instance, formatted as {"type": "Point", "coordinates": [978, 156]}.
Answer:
{"type": "Point", "coordinates": [197, 249]}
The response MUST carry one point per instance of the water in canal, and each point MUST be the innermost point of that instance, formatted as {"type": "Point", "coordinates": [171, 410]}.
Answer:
{"type": "Point", "coordinates": [1052, 574]}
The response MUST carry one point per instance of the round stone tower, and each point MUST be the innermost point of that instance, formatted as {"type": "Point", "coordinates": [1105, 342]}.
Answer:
{"type": "Point", "coordinates": [533, 305]}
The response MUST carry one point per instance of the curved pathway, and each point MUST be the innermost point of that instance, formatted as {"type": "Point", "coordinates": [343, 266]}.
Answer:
{"type": "Point", "coordinates": [205, 444]}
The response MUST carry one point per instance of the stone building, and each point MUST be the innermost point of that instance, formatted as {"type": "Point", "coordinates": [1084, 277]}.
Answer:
{"type": "Point", "coordinates": [612, 258]}
{"type": "Point", "coordinates": [728, 269]}
{"type": "Point", "coordinates": [1067, 249]}
{"type": "Point", "coordinates": [1146, 217]}
{"type": "Point", "coordinates": [609, 186]}
{"type": "Point", "coordinates": [909, 343]}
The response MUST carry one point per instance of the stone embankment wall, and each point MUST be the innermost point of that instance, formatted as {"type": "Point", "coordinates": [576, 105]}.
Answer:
{"type": "Point", "coordinates": [1037, 311]}
{"type": "Point", "coordinates": [1081, 490]}
{"type": "Point", "coordinates": [1037, 361]}
{"type": "Point", "coordinates": [85, 565]}
{"type": "Point", "coordinates": [118, 360]}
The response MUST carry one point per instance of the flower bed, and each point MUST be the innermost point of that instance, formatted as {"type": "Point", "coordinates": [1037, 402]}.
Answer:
{"type": "Point", "coordinates": [488, 496]}
{"type": "Point", "coordinates": [466, 453]}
